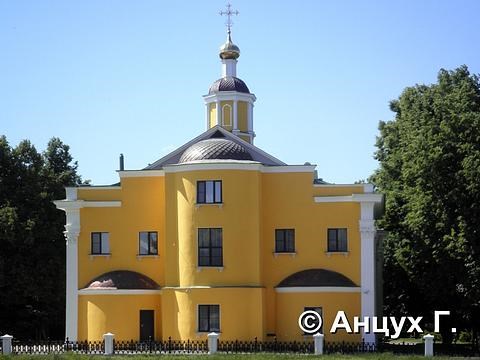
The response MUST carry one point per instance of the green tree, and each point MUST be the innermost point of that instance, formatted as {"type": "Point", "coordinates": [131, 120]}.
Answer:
{"type": "Point", "coordinates": [32, 257]}
{"type": "Point", "coordinates": [429, 170]}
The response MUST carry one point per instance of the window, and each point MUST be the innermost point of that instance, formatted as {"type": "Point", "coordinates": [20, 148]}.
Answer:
{"type": "Point", "coordinates": [319, 311]}
{"type": "Point", "coordinates": [227, 115]}
{"type": "Point", "coordinates": [209, 192]}
{"type": "Point", "coordinates": [100, 244]}
{"type": "Point", "coordinates": [337, 240]}
{"type": "Point", "coordinates": [285, 240]}
{"type": "Point", "coordinates": [210, 247]}
{"type": "Point", "coordinates": [208, 318]}
{"type": "Point", "coordinates": [148, 241]}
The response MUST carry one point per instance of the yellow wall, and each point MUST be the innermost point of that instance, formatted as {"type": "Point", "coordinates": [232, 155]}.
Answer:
{"type": "Point", "coordinates": [213, 114]}
{"type": "Point", "coordinates": [287, 202]}
{"type": "Point", "coordinates": [143, 209]}
{"type": "Point", "coordinates": [239, 217]}
{"type": "Point", "coordinates": [254, 205]}
{"type": "Point", "coordinates": [242, 116]}
{"type": "Point", "coordinates": [291, 305]}
{"type": "Point", "coordinates": [118, 314]}
{"type": "Point", "coordinates": [241, 312]}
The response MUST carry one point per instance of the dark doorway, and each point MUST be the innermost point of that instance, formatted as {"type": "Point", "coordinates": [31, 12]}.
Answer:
{"type": "Point", "coordinates": [147, 329]}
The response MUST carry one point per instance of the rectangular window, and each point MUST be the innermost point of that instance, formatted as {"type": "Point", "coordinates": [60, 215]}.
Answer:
{"type": "Point", "coordinates": [148, 243]}
{"type": "Point", "coordinates": [209, 192]}
{"type": "Point", "coordinates": [210, 247]}
{"type": "Point", "coordinates": [208, 318]}
{"type": "Point", "coordinates": [285, 240]}
{"type": "Point", "coordinates": [337, 240]}
{"type": "Point", "coordinates": [315, 321]}
{"type": "Point", "coordinates": [100, 243]}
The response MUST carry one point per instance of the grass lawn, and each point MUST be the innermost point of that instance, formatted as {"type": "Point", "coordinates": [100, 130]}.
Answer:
{"type": "Point", "coordinates": [382, 356]}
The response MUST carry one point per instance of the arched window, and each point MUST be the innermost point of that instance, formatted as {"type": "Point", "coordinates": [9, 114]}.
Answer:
{"type": "Point", "coordinates": [227, 115]}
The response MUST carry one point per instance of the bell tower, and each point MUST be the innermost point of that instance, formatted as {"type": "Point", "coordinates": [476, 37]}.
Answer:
{"type": "Point", "coordinates": [229, 102]}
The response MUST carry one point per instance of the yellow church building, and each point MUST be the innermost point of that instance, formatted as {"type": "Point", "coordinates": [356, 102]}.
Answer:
{"type": "Point", "coordinates": [219, 236]}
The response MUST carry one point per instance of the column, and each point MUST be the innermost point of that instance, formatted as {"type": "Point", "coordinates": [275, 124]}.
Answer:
{"type": "Point", "coordinates": [235, 116]}
{"type": "Point", "coordinates": [219, 112]}
{"type": "Point", "coordinates": [367, 240]}
{"type": "Point", "coordinates": [72, 231]}
{"type": "Point", "coordinates": [250, 121]}
{"type": "Point", "coordinates": [207, 115]}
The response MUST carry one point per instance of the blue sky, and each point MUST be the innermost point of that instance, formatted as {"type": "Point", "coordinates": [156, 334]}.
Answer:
{"type": "Point", "coordinates": [111, 77]}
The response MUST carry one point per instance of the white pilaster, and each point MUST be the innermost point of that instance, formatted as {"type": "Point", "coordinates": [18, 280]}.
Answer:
{"type": "Point", "coordinates": [250, 121]}
{"type": "Point", "coordinates": [235, 115]}
{"type": "Point", "coordinates": [229, 67]}
{"type": "Point", "coordinates": [218, 111]}
{"type": "Point", "coordinates": [207, 115]}
{"type": "Point", "coordinates": [367, 239]}
{"type": "Point", "coordinates": [72, 231]}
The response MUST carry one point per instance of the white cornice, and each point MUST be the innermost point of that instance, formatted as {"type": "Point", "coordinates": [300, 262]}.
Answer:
{"type": "Point", "coordinates": [99, 188]}
{"type": "Point", "coordinates": [236, 165]}
{"type": "Point", "coordinates": [317, 289]}
{"type": "Point", "coordinates": [140, 173]}
{"type": "Point", "coordinates": [370, 197]}
{"type": "Point", "coordinates": [68, 205]}
{"type": "Point", "coordinates": [118, 292]}
{"type": "Point", "coordinates": [229, 95]}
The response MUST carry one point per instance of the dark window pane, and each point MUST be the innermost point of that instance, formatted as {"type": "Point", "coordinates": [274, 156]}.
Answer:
{"type": "Point", "coordinates": [201, 192]}
{"type": "Point", "coordinates": [203, 237]}
{"type": "Point", "coordinates": [290, 240]}
{"type": "Point", "coordinates": [214, 318]}
{"type": "Point", "coordinates": [216, 237]}
{"type": "Point", "coordinates": [218, 192]}
{"type": "Point", "coordinates": [96, 243]}
{"type": "Point", "coordinates": [153, 243]}
{"type": "Point", "coordinates": [342, 239]}
{"type": "Point", "coordinates": [204, 261]}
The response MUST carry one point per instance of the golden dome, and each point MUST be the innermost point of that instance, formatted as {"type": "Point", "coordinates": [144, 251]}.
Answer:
{"type": "Point", "coordinates": [229, 50]}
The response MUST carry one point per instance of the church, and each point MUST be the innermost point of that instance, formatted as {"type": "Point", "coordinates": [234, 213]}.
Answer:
{"type": "Point", "coordinates": [219, 236]}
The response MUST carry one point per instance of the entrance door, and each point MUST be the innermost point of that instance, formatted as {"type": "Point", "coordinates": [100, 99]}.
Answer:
{"type": "Point", "coordinates": [147, 329]}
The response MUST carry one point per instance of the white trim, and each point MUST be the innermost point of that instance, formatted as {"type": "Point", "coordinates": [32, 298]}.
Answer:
{"type": "Point", "coordinates": [318, 289]}
{"type": "Point", "coordinates": [217, 107]}
{"type": "Point", "coordinates": [229, 95]}
{"type": "Point", "coordinates": [72, 231]}
{"type": "Point", "coordinates": [71, 193]}
{"type": "Point", "coordinates": [140, 173]}
{"type": "Point", "coordinates": [99, 188]}
{"type": "Point", "coordinates": [118, 292]}
{"type": "Point", "coordinates": [337, 185]}
{"type": "Point", "coordinates": [217, 164]}
{"type": "Point", "coordinates": [374, 198]}
{"type": "Point", "coordinates": [235, 115]}
{"type": "Point", "coordinates": [223, 115]}
{"type": "Point", "coordinates": [67, 205]}
{"type": "Point", "coordinates": [207, 116]}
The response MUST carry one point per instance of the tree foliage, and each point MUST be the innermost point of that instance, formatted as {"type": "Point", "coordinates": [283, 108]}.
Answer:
{"type": "Point", "coordinates": [32, 245]}
{"type": "Point", "coordinates": [430, 173]}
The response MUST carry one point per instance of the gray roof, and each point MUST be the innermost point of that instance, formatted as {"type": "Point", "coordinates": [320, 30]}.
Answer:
{"type": "Point", "coordinates": [215, 148]}
{"type": "Point", "coordinates": [316, 277]}
{"type": "Point", "coordinates": [123, 279]}
{"type": "Point", "coordinates": [229, 83]}
{"type": "Point", "coordinates": [215, 133]}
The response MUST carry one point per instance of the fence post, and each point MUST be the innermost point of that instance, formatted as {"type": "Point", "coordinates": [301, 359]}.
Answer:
{"type": "Point", "coordinates": [108, 337]}
{"type": "Point", "coordinates": [212, 342]}
{"type": "Point", "coordinates": [428, 345]}
{"type": "Point", "coordinates": [7, 344]}
{"type": "Point", "coordinates": [318, 339]}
